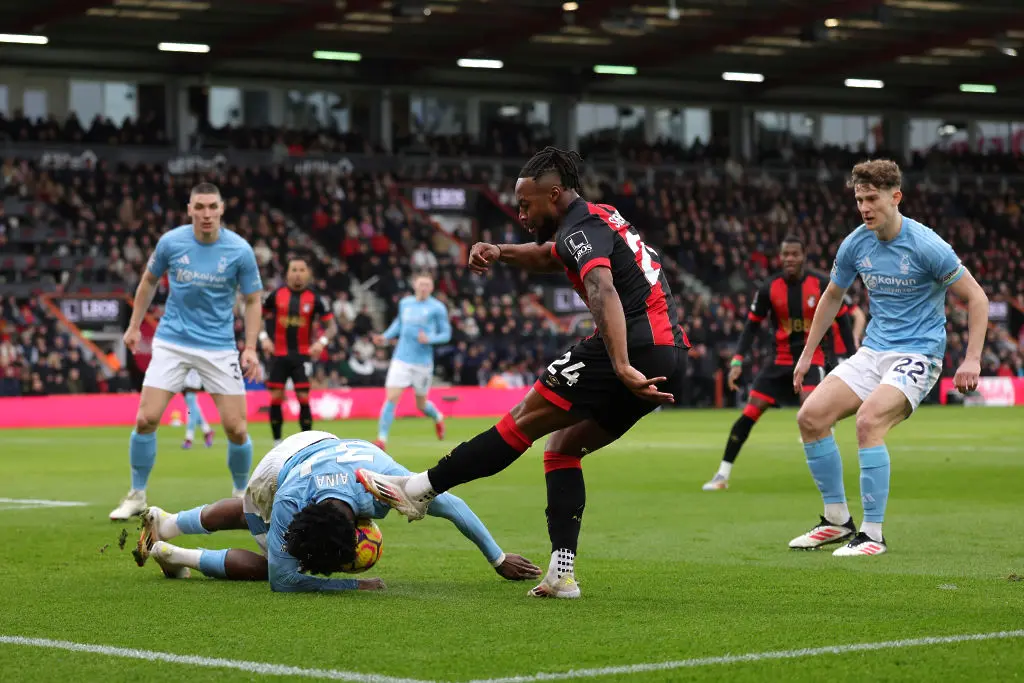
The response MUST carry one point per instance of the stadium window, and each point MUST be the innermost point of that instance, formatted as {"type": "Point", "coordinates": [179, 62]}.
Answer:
{"type": "Point", "coordinates": [696, 126]}
{"type": "Point", "coordinates": [85, 98]}
{"type": "Point", "coordinates": [4, 108]}
{"type": "Point", "coordinates": [848, 131]}
{"type": "Point", "coordinates": [225, 107]}
{"type": "Point", "coordinates": [994, 136]}
{"type": "Point", "coordinates": [33, 104]}
{"type": "Point", "coordinates": [539, 114]}
{"type": "Point", "coordinates": [592, 118]}
{"type": "Point", "coordinates": [120, 101]}
{"type": "Point", "coordinates": [924, 134]}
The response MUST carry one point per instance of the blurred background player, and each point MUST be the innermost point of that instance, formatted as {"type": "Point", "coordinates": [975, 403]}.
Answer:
{"type": "Point", "coordinates": [790, 299]}
{"type": "Point", "coordinates": [906, 269]}
{"type": "Point", "coordinates": [305, 525]}
{"type": "Point", "coordinates": [195, 417]}
{"type": "Point", "coordinates": [598, 389]}
{"type": "Point", "coordinates": [290, 312]}
{"type": "Point", "coordinates": [421, 323]}
{"type": "Point", "coordinates": [206, 264]}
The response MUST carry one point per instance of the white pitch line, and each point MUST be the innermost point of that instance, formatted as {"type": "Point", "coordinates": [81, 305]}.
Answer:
{"type": "Point", "coordinates": [43, 503]}
{"type": "Point", "coordinates": [751, 657]}
{"type": "Point", "coordinates": [261, 668]}
{"type": "Point", "coordinates": [266, 669]}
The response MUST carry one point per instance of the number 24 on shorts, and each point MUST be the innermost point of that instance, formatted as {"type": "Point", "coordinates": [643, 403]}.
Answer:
{"type": "Point", "coordinates": [570, 373]}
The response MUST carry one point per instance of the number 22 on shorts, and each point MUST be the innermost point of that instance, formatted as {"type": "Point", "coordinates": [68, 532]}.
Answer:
{"type": "Point", "coordinates": [570, 373]}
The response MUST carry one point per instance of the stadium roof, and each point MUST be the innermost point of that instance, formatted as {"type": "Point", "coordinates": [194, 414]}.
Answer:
{"type": "Point", "coordinates": [921, 50]}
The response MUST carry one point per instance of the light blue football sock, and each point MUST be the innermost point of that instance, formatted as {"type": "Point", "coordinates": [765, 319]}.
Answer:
{"type": "Point", "coordinates": [141, 456]}
{"type": "Point", "coordinates": [211, 563]}
{"type": "Point", "coordinates": [190, 521]}
{"type": "Point", "coordinates": [874, 482]}
{"type": "Point", "coordinates": [826, 468]}
{"type": "Point", "coordinates": [195, 413]}
{"type": "Point", "coordinates": [431, 411]}
{"type": "Point", "coordinates": [240, 462]}
{"type": "Point", "coordinates": [387, 416]}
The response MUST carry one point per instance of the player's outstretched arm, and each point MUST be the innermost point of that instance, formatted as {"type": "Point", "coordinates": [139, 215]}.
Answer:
{"type": "Point", "coordinates": [758, 312]}
{"type": "Point", "coordinates": [442, 332]}
{"type": "Point", "coordinates": [828, 306]}
{"type": "Point", "coordinates": [144, 294]}
{"type": "Point", "coordinates": [970, 292]}
{"type": "Point", "coordinates": [535, 258]}
{"type": "Point", "coordinates": [455, 510]}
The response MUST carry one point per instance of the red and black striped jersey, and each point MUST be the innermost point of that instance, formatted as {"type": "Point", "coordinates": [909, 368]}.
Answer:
{"type": "Point", "coordinates": [593, 235]}
{"type": "Point", "coordinates": [791, 305]}
{"type": "Point", "coordinates": [290, 315]}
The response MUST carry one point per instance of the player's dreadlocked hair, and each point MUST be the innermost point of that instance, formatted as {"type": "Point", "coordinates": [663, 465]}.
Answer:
{"type": "Point", "coordinates": [322, 538]}
{"type": "Point", "coordinates": [553, 160]}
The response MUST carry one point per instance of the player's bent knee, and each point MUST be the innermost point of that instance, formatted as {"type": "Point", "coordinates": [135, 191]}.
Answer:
{"type": "Point", "coordinates": [871, 426]}
{"type": "Point", "coordinates": [237, 431]}
{"type": "Point", "coordinates": [146, 423]}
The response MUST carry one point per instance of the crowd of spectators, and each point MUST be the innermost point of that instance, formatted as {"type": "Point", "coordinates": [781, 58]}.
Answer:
{"type": "Point", "coordinates": [720, 223]}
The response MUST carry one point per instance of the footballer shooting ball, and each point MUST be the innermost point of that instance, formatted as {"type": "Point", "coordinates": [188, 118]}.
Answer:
{"type": "Point", "coordinates": [369, 546]}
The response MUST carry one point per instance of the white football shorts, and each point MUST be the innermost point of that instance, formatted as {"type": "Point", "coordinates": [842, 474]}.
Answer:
{"type": "Point", "coordinates": [402, 375]}
{"type": "Point", "coordinates": [912, 373]}
{"type": "Point", "coordinates": [258, 501]}
{"type": "Point", "coordinates": [219, 371]}
{"type": "Point", "coordinates": [193, 381]}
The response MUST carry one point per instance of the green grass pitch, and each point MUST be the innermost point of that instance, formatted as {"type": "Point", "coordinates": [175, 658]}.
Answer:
{"type": "Point", "coordinates": [668, 572]}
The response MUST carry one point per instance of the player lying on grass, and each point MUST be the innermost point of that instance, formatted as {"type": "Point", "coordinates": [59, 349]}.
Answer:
{"type": "Point", "coordinates": [301, 505]}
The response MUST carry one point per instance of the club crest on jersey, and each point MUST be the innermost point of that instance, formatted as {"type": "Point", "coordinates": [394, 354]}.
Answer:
{"type": "Point", "coordinates": [578, 245]}
{"type": "Point", "coordinates": [306, 307]}
{"type": "Point", "coordinates": [222, 265]}
{"type": "Point", "coordinates": [811, 301]}
{"type": "Point", "coordinates": [905, 264]}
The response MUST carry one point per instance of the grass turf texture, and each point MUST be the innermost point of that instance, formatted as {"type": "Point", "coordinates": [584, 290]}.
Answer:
{"type": "Point", "coordinates": [668, 572]}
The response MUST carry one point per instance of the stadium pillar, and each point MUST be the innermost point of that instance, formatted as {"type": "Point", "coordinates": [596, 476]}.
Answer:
{"type": "Point", "coordinates": [896, 130]}
{"type": "Point", "coordinates": [563, 122]}
{"type": "Point", "coordinates": [278, 98]}
{"type": "Point", "coordinates": [735, 126]}
{"type": "Point", "coordinates": [183, 120]}
{"type": "Point", "coordinates": [384, 118]}
{"type": "Point", "coordinates": [400, 113]}
{"type": "Point", "coordinates": [473, 117]}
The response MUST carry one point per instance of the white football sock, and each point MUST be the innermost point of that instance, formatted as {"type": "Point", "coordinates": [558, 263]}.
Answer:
{"type": "Point", "coordinates": [168, 527]}
{"type": "Point", "coordinates": [837, 513]}
{"type": "Point", "coordinates": [190, 434]}
{"type": "Point", "coordinates": [562, 563]}
{"type": "Point", "coordinates": [206, 428]}
{"type": "Point", "coordinates": [725, 469]}
{"type": "Point", "coordinates": [188, 557]}
{"type": "Point", "coordinates": [419, 488]}
{"type": "Point", "coordinates": [873, 530]}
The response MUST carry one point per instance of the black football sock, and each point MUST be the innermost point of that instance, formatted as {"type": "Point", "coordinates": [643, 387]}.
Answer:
{"type": "Point", "coordinates": [276, 418]}
{"type": "Point", "coordinates": [740, 431]}
{"type": "Point", "coordinates": [482, 456]}
{"type": "Point", "coordinates": [305, 415]}
{"type": "Point", "coordinates": [567, 496]}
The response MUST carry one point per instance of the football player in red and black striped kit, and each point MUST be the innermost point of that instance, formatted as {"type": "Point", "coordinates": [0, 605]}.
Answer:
{"type": "Point", "coordinates": [290, 312]}
{"type": "Point", "coordinates": [789, 298]}
{"type": "Point", "coordinates": [599, 388]}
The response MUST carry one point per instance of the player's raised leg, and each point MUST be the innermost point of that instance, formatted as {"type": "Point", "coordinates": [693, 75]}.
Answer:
{"type": "Point", "coordinates": [482, 456]}
{"type": "Point", "coordinates": [567, 498]}
{"type": "Point", "coordinates": [395, 384]}
{"type": "Point", "coordinates": [142, 449]}
{"type": "Point", "coordinates": [829, 403]}
{"type": "Point", "coordinates": [232, 416]}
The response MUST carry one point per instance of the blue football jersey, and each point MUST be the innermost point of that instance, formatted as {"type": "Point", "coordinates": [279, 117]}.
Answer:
{"type": "Point", "coordinates": [430, 316]}
{"type": "Point", "coordinates": [906, 279]}
{"type": "Point", "coordinates": [203, 280]}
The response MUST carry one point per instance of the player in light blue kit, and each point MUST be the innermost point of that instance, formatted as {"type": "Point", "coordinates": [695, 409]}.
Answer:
{"type": "Point", "coordinates": [301, 506]}
{"type": "Point", "coordinates": [906, 269]}
{"type": "Point", "coordinates": [422, 322]}
{"type": "Point", "coordinates": [205, 265]}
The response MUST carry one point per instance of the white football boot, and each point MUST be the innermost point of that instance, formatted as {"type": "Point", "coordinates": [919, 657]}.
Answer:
{"type": "Point", "coordinates": [560, 580]}
{"type": "Point", "coordinates": [824, 533]}
{"type": "Point", "coordinates": [861, 544]}
{"type": "Point", "coordinates": [150, 534]}
{"type": "Point", "coordinates": [162, 553]}
{"type": "Point", "coordinates": [390, 490]}
{"type": "Point", "coordinates": [717, 483]}
{"type": "Point", "coordinates": [131, 505]}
